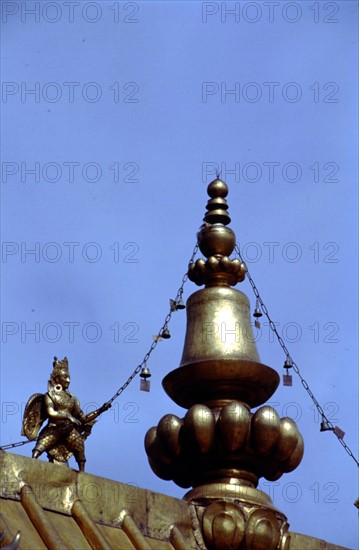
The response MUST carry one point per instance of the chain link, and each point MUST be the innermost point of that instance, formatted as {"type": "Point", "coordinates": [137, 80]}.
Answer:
{"type": "Point", "coordinates": [12, 445]}
{"type": "Point", "coordinates": [289, 358]}
{"type": "Point", "coordinates": [20, 443]}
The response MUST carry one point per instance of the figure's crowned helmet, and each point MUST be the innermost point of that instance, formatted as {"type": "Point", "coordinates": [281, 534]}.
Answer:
{"type": "Point", "coordinates": [59, 367]}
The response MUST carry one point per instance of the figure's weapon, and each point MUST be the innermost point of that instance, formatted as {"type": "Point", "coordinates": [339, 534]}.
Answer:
{"type": "Point", "coordinates": [91, 419]}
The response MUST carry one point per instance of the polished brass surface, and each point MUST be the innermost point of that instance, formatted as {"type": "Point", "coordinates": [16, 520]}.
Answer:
{"type": "Point", "coordinates": [215, 270]}
{"type": "Point", "coordinates": [216, 239]}
{"type": "Point", "coordinates": [88, 526]}
{"type": "Point", "coordinates": [217, 205]}
{"type": "Point", "coordinates": [13, 518]}
{"type": "Point", "coordinates": [242, 493]}
{"type": "Point", "coordinates": [265, 429]}
{"type": "Point", "coordinates": [233, 425]}
{"type": "Point", "coordinates": [67, 427]}
{"type": "Point", "coordinates": [177, 539]}
{"type": "Point", "coordinates": [264, 530]}
{"type": "Point", "coordinates": [165, 522]}
{"type": "Point", "coordinates": [220, 362]}
{"type": "Point", "coordinates": [169, 434]}
{"type": "Point", "coordinates": [107, 502]}
{"type": "Point", "coordinates": [218, 326]}
{"type": "Point", "coordinates": [234, 524]}
{"type": "Point", "coordinates": [40, 520]}
{"type": "Point", "coordinates": [134, 534]}
{"type": "Point", "coordinates": [223, 526]}
{"type": "Point", "coordinates": [237, 380]}
{"type": "Point", "coordinates": [224, 445]}
{"type": "Point", "coordinates": [216, 242]}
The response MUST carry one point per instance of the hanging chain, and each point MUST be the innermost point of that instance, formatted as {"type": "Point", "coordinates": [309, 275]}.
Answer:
{"type": "Point", "coordinates": [12, 445]}
{"type": "Point", "coordinates": [293, 363]}
{"type": "Point", "coordinates": [145, 359]}
{"type": "Point", "coordinates": [21, 443]}
{"type": "Point", "coordinates": [155, 342]}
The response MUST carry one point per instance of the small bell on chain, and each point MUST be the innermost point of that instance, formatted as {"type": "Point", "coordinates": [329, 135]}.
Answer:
{"type": "Point", "coordinates": [257, 313]}
{"type": "Point", "coordinates": [144, 375]}
{"type": "Point", "coordinates": [324, 425]}
{"type": "Point", "coordinates": [165, 334]}
{"type": "Point", "coordinates": [287, 378]}
{"type": "Point", "coordinates": [175, 306]}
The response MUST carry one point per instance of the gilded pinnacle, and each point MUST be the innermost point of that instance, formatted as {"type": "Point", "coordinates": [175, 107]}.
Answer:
{"type": "Point", "coordinates": [216, 242]}
{"type": "Point", "coordinates": [217, 205]}
{"type": "Point", "coordinates": [220, 448]}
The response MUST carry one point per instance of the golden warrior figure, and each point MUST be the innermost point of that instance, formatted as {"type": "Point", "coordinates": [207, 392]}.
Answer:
{"type": "Point", "coordinates": [67, 426]}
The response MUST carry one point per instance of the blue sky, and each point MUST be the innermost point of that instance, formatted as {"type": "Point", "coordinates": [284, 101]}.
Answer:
{"type": "Point", "coordinates": [105, 166]}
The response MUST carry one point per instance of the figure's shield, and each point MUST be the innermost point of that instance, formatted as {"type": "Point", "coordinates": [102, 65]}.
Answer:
{"type": "Point", "coordinates": [34, 416]}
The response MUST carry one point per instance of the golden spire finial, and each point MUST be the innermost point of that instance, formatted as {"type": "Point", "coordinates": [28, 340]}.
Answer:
{"type": "Point", "coordinates": [220, 448]}
{"type": "Point", "coordinates": [217, 205]}
{"type": "Point", "coordinates": [216, 242]}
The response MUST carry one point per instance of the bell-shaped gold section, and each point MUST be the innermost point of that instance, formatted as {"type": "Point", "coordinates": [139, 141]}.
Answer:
{"type": "Point", "coordinates": [218, 326]}
{"type": "Point", "coordinates": [220, 362]}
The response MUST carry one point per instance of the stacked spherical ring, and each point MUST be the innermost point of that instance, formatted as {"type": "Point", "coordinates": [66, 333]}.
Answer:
{"type": "Point", "coordinates": [191, 450]}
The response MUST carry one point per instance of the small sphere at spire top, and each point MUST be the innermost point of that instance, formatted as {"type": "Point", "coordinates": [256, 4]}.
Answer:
{"type": "Point", "coordinates": [217, 188]}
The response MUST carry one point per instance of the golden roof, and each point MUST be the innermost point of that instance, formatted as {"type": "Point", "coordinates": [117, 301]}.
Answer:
{"type": "Point", "coordinates": [58, 508]}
